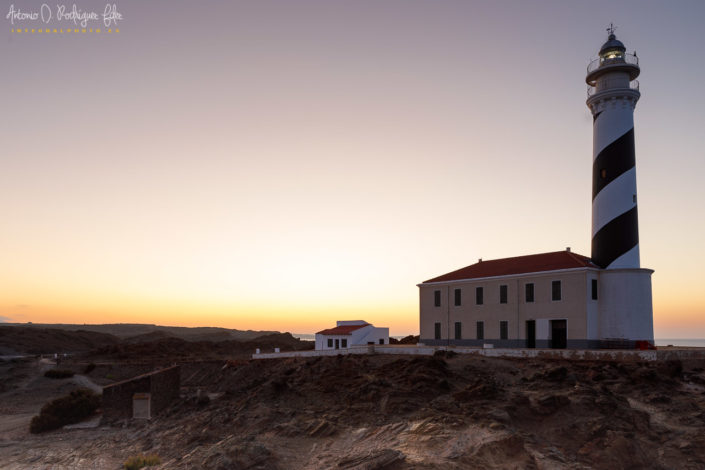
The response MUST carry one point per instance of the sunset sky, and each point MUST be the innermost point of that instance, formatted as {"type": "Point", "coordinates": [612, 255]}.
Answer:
{"type": "Point", "coordinates": [285, 164]}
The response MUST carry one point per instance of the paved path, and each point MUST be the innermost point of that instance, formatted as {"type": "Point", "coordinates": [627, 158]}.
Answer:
{"type": "Point", "coordinates": [86, 382]}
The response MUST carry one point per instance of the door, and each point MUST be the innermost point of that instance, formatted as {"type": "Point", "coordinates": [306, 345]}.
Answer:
{"type": "Point", "coordinates": [559, 334]}
{"type": "Point", "coordinates": [531, 333]}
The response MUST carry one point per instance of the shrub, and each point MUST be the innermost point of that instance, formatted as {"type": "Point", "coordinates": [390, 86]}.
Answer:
{"type": "Point", "coordinates": [69, 409]}
{"type": "Point", "coordinates": [139, 461]}
{"type": "Point", "coordinates": [89, 368]}
{"type": "Point", "coordinates": [58, 373]}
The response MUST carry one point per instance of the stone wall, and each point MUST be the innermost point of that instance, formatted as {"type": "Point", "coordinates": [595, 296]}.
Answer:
{"type": "Point", "coordinates": [165, 388]}
{"type": "Point", "coordinates": [572, 354]}
{"type": "Point", "coordinates": [163, 385]}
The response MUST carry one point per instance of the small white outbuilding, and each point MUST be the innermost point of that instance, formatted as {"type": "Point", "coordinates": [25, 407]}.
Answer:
{"type": "Point", "coordinates": [351, 333]}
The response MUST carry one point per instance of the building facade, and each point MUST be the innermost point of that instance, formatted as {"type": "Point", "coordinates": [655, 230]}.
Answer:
{"type": "Point", "coordinates": [549, 300]}
{"type": "Point", "coordinates": [351, 333]}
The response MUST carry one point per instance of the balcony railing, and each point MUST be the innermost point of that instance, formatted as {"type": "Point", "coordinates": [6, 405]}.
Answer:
{"type": "Point", "coordinates": [625, 59]}
{"type": "Point", "coordinates": [605, 85]}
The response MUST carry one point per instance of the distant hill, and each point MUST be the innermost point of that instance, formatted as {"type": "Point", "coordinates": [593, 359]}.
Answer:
{"type": "Point", "coordinates": [127, 330]}
{"type": "Point", "coordinates": [136, 339]}
{"type": "Point", "coordinates": [32, 340]}
{"type": "Point", "coordinates": [147, 337]}
{"type": "Point", "coordinates": [156, 346]}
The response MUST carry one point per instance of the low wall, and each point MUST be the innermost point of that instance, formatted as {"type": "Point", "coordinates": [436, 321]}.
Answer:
{"type": "Point", "coordinates": [163, 386]}
{"type": "Point", "coordinates": [572, 354]}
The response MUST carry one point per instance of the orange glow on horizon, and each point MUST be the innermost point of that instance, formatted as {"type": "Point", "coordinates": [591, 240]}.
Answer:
{"type": "Point", "coordinates": [304, 320]}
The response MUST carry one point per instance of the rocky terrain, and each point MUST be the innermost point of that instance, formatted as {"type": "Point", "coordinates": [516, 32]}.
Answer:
{"type": "Point", "coordinates": [411, 339]}
{"type": "Point", "coordinates": [388, 412]}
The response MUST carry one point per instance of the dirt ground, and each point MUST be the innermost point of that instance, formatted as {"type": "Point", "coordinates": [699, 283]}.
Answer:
{"type": "Point", "coordinates": [378, 412]}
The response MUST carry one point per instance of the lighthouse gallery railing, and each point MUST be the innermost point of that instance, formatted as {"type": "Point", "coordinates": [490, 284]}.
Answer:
{"type": "Point", "coordinates": [625, 58]}
{"type": "Point", "coordinates": [634, 85]}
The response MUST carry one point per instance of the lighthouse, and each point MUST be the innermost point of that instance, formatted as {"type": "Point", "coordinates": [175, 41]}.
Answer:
{"type": "Point", "coordinates": [562, 299]}
{"type": "Point", "coordinates": [612, 96]}
{"type": "Point", "coordinates": [613, 91]}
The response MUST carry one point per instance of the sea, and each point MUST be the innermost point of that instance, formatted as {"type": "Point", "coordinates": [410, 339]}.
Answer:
{"type": "Point", "coordinates": [698, 342]}
{"type": "Point", "coordinates": [680, 342]}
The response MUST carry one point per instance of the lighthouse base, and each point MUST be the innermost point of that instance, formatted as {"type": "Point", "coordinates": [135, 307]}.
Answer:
{"type": "Point", "coordinates": [625, 312]}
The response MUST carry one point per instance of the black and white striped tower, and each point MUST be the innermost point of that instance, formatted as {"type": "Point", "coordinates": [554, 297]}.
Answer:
{"type": "Point", "coordinates": [624, 307]}
{"type": "Point", "coordinates": [612, 95]}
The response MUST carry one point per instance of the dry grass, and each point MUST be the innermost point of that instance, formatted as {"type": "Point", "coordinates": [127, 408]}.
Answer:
{"type": "Point", "coordinates": [140, 461]}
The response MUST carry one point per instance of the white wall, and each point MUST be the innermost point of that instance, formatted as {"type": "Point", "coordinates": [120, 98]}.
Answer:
{"type": "Point", "coordinates": [374, 335]}
{"type": "Point", "coordinates": [360, 336]}
{"type": "Point", "coordinates": [543, 330]}
{"type": "Point", "coordinates": [322, 341]}
{"type": "Point", "coordinates": [625, 305]}
{"type": "Point", "coordinates": [592, 310]}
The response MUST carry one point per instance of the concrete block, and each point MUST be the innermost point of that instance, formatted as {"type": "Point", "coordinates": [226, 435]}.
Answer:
{"type": "Point", "coordinates": [141, 406]}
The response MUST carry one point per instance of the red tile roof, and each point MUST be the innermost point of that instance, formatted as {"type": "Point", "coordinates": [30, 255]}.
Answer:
{"type": "Point", "coordinates": [342, 330]}
{"type": "Point", "coordinates": [518, 265]}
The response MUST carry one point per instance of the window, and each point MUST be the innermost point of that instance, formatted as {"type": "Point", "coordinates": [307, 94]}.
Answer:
{"type": "Point", "coordinates": [330, 342]}
{"type": "Point", "coordinates": [344, 343]}
{"type": "Point", "coordinates": [480, 330]}
{"type": "Point", "coordinates": [556, 290]}
{"type": "Point", "coordinates": [594, 289]}
{"type": "Point", "coordinates": [438, 330]}
{"type": "Point", "coordinates": [458, 330]}
{"type": "Point", "coordinates": [381, 341]}
{"type": "Point", "coordinates": [437, 298]}
{"type": "Point", "coordinates": [458, 297]}
{"type": "Point", "coordinates": [610, 56]}
{"type": "Point", "coordinates": [530, 292]}
{"type": "Point", "coordinates": [503, 330]}
{"type": "Point", "coordinates": [478, 295]}
{"type": "Point", "coordinates": [503, 294]}
{"type": "Point", "coordinates": [603, 173]}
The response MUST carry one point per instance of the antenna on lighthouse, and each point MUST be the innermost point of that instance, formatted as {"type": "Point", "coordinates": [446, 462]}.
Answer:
{"type": "Point", "coordinates": [611, 29]}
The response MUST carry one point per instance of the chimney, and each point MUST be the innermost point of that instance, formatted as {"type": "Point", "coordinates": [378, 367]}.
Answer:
{"type": "Point", "coordinates": [479, 260]}
{"type": "Point", "coordinates": [567, 248]}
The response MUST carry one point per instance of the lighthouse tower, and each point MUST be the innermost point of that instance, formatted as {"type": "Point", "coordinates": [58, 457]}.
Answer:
{"type": "Point", "coordinates": [613, 91]}
{"type": "Point", "coordinates": [612, 96]}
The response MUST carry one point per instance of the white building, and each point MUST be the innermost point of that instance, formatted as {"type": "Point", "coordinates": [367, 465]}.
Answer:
{"type": "Point", "coordinates": [548, 300]}
{"type": "Point", "coordinates": [351, 333]}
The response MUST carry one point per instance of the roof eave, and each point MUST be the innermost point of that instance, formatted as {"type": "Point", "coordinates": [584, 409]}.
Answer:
{"type": "Point", "coordinates": [510, 276]}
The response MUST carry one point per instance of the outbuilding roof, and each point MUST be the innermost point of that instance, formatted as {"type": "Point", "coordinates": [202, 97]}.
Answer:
{"type": "Point", "coordinates": [518, 265]}
{"type": "Point", "coordinates": [342, 330]}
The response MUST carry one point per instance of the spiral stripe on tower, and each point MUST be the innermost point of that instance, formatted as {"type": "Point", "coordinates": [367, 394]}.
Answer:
{"type": "Point", "coordinates": [615, 228]}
